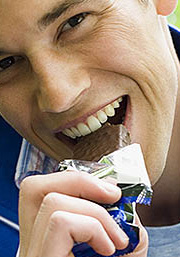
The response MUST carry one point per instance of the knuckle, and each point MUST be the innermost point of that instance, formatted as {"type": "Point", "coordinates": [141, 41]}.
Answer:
{"type": "Point", "coordinates": [50, 199]}
{"type": "Point", "coordinates": [27, 182]}
{"type": "Point", "coordinates": [102, 212]}
{"type": "Point", "coordinates": [27, 185]}
{"type": "Point", "coordinates": [81, 178]}
{"type": "Point", "coordinates": [96, 225]}
{"type": "Point", "coordinates": [58, 220]}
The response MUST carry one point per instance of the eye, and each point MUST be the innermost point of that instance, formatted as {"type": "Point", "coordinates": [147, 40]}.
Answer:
{"type": "Point", "coordinates": [7, 62]}
{"type": "Point", "coordinates": [74, 21]}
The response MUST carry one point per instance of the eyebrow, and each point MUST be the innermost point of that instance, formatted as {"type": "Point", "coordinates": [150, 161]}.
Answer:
{"type": "Point", "coordinates": [3, 52]}
{"type": "Point", "coordinates": [57, 11]}
{"type": "Point", "coordinates": [52, 15]}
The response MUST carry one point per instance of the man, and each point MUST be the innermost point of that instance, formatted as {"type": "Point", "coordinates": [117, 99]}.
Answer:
{"type": "Point", "coordinates": [62, 64]}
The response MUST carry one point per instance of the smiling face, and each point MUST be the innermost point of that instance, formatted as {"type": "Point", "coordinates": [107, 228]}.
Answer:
{"type": "Point", "coordinates": [65, 63]}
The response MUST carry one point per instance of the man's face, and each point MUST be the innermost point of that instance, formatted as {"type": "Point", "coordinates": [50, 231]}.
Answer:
{"type": "Point", "coordinates": [63, 61]}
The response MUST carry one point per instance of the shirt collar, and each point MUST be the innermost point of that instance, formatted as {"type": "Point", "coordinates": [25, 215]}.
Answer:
{"type": "Point", "coordinates": [32, 161]}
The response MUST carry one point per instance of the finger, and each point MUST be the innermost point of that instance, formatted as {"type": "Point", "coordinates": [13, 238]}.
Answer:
{"type": "Point", "coordinates": [63, 231]}
{"type": "Point", "coordinates": [56, 202]}
{"type": "Point", "coordinates": [78, 184]}
{"type": "Point", "coordinates": [142, 248]}
{"type": "Point", "coordinates": [71, 255]}
{"type": "Point", "coordinates": [33, 190]}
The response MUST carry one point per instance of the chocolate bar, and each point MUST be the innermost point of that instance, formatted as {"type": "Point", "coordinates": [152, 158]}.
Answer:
{"type": "Point", "coordinates": [102, 142]}
{"type": "Point", "coordinates": [120, 160]}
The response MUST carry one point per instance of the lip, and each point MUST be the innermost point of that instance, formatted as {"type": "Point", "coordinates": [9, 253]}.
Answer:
{"type": "Point", "coordinates": [83, 118]}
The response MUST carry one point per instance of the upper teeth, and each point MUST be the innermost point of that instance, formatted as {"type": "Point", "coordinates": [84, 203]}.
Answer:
{"type": "Point", "coordinates": [93, 122]}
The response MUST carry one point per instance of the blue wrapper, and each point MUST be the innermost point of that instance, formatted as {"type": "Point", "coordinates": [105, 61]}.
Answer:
{"type": "Point", "coordinates": [128, 168]}
{"type": "Point", "coordinates": [84, 250]}
{"type": "Point", "coordinates": [123, 213]}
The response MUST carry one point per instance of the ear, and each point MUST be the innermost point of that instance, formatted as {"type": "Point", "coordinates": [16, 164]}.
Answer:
{"type": "Point", "coordinates": [165, 7]}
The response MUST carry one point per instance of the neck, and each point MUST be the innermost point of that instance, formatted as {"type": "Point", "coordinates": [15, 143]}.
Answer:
{"type": "Point", "coordinates": [166, 199]}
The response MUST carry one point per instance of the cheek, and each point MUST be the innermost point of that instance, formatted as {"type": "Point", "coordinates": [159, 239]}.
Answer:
{"type": "Point", "coordinates": [116, 47]}
{"type": "Point", "coordinates": [15, 108]}
{"type": "Point", "coordinates": [144, 58]}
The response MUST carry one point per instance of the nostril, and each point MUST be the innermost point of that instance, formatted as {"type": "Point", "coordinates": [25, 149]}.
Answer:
{"type": "Point", "coordinates": [55, 101]}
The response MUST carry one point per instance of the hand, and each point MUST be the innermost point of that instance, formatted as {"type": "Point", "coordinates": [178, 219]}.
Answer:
{"type": "Point", "coordinates": [142, 248]}
{"type": "Point", "coordinates": [57, 209]}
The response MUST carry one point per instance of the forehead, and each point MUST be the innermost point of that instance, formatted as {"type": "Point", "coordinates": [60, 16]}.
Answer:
{"type": "Point", "coordinates": [23, 12]}
{"type": "Point", "coordinates": [25, 8]}
{"type": "Point", "coordinates": [17, 16]}
{"type": "Point", "coordinates": [23, 15]}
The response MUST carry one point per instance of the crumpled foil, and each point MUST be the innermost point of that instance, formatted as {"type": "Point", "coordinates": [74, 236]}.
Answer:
{"type": "Point", "coordinates": [127, 167]}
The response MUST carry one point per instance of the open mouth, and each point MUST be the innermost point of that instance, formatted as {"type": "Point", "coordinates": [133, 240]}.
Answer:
{"type": "Point", "coordinates": [113, 114]}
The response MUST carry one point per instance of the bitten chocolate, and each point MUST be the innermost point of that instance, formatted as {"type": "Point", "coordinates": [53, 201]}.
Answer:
{"type": "Point", "coordinates": [102, 142]}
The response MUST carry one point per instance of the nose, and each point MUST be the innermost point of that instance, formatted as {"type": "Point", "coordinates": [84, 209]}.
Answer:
{"type": "Point", "coordinates": [60, 82]}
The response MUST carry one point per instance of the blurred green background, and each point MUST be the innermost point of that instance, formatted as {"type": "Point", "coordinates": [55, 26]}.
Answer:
{"type": "Point", "coordinates": [174, 18]}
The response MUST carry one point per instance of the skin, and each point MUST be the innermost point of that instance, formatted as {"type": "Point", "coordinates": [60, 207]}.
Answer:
{"type": "Point", "coordinates": [52, 90]}
{"type": "Point", "coordinates": [44, 82]}
{"type": "Point", "coordinates": [51, 222]}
